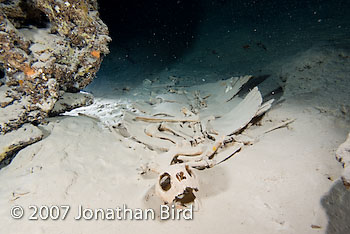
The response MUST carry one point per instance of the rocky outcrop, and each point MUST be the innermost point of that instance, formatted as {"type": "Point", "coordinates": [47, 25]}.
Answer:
{"type": "Point", "coordinates": [70, 101]}
{"type": "Point", "coordinates": [47, 46]}
{"type": "Point", "coordinates": [343, 156]}
{"type": "Point", "coordinates": [16, 140]}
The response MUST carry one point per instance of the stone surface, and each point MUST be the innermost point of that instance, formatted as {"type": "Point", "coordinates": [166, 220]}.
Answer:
{"type": "Point", "coordinates": [70, 101]}
{"type": "Point", "coordinates": [5, 97]}
{"type": "Point", "coordinates": [15, 110]}
{"type": "Point", "coordinates": [16, 140]}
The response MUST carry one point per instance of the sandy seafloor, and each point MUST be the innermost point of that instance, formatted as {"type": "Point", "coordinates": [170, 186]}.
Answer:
{"type": "Point", "coordinates": [287, 182]}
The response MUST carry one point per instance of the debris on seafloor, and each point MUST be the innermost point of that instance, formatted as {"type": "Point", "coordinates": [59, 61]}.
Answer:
{"type": "Point", "coordinates": [196, 129]}
{"type": "Point", "coordinates": [284, 124]}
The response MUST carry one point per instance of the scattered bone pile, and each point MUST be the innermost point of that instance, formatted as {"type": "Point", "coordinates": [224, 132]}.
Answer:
{"type": "Point", "coordinates": [197, 128]}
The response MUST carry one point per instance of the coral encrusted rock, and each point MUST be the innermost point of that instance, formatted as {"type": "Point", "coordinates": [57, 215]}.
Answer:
{"type": "Point", "coordinates": [46, 47]}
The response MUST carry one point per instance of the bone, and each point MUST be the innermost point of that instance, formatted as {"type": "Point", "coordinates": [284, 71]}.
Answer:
{"type": "Point", "coordinates": [265, 107]}
{"type": "Point", "coordinates": [281, 125]}
{"type": "Point", "coordinates": [207, 155]}
{"type": "Point", "coordinates": [177, 184]}
{"type": "Point", "coordinates": [188, 151]}
{"type": "Point", "coordinates": [202, 164]}
{"type": "Point", "coordinates": [197, 134]}
{"type": "Point", "coordinates": [160, 120]}
{"type": "Point", "coordinates": [199, 101]}
{"type": "Point", "coordinates": [167, 158]}
{"type": "Point", "coordinates": [211, 150]}
{"type": "Point", "coordinates": [234, 85]}
{"type": "Point", "coordinates": [228, 152]}
{"type": "Point", "coordinates": [152, 130]}
{"type": "Point", "coordinates": [169, 127]}
{"type": "Point", "coordinates": [240, 116]}
{"type": "Point", "coordinates": [136, 130]}
{"type": "Point", "coordinates": [241, 138]}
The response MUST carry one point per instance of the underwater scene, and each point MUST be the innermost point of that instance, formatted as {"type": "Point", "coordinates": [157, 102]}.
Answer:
{"type": "Point", "coordinates": [191, 116]}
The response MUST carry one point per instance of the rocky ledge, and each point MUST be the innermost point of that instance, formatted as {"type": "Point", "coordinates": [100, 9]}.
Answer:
{"type": "Point", "coordinates": [16, 140]}
{"type": "Point", "coordinates": [48, 47]}
{"type": "Point", "coordinates": [49, 51]}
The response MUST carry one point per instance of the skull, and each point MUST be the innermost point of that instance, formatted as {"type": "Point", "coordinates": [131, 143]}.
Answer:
{"type": "Point", "coordinates": [178, 184]}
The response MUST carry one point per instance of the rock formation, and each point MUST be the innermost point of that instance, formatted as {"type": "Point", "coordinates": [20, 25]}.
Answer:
{"type": "Point", "coordinates": [48, 51]}
{"type": "Point", "coordinates": [343, 156]}
{"type": "Point", "coordinates": [47, 47]}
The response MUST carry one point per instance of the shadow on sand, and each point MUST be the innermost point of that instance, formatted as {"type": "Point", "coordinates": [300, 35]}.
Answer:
{"type": "Point", "coordinates": [337, 206]}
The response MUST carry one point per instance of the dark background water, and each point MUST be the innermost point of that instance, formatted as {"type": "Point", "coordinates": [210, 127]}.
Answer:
{"type": "Point", "coordinates": [232, 37]}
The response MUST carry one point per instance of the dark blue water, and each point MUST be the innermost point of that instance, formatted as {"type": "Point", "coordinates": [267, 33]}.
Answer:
{"type": "Point", "coordinates": [217, 38]}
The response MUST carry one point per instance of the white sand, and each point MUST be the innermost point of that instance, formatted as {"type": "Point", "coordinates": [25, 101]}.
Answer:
{"type": "Point", "coordinates": [274, 186]}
